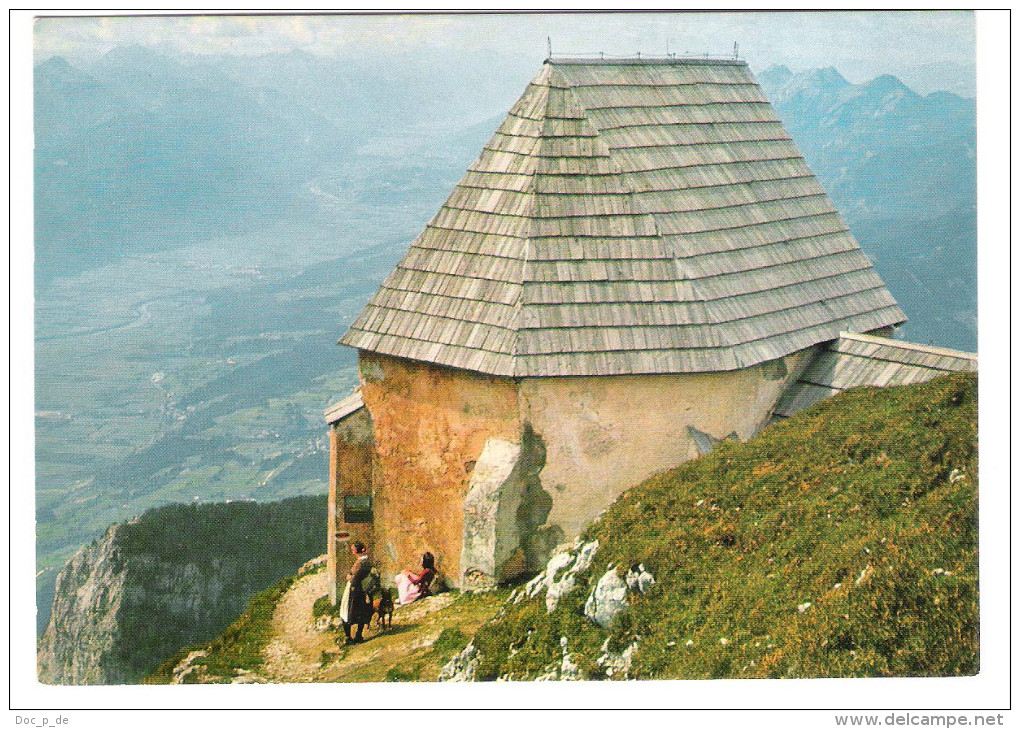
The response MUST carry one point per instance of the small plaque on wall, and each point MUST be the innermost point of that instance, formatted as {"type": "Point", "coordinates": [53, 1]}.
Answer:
{"type": "Point", "coordinates": [358, 509]}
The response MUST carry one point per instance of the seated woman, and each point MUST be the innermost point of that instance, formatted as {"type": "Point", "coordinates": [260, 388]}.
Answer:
{"type": "Point", "coordinates": [411, 586]}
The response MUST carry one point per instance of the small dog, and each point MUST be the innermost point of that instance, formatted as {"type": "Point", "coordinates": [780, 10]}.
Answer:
{"type": "Point", "coordinates": [382, 608]}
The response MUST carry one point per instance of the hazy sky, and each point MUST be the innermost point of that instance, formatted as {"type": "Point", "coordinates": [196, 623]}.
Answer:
{"type": "Point", "coordinates": [860, 44]}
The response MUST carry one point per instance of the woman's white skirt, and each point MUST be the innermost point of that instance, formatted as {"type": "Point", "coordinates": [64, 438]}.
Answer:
{"type": "Point", "coordinates": [345, 604]}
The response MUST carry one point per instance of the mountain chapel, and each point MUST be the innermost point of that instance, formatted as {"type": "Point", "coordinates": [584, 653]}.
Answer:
{"type": "Point", "coordinates": [639, 264]}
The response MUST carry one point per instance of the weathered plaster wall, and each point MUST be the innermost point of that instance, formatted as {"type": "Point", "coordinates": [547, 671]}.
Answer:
{"type": "Point", "coordinates": [351, 454]}
{"type": "Point", "coordinates": [431, 424]}
{"type": "Point", "coordinates": [586, 440]}
{"type": "Point", "coordinates": [605, 434]}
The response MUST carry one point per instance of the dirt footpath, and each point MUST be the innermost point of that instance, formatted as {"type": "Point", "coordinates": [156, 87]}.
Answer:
{"type": "Point", "coordinates": [294, 653]}
{"type": "Point", "coordinates": [298, 653]}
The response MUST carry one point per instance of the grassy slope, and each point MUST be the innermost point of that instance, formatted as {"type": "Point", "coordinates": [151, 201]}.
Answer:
{"type": "Point", "coordinates": [398, 657]}
{"type": "Point", "coordinates": [849, 506]}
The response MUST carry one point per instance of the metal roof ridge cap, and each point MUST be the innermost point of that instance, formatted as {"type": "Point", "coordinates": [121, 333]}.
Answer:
{"type": "Point", "coordinates": [644, 61]}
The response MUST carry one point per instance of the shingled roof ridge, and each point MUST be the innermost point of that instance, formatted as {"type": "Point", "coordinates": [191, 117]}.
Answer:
{"type": "Point", "coordinates": [562, 106]}
{"type": "Point", "coordinates": [525, 256]}
{"type": "Point", "coordinates": [540, 81]}
{"type": "Point", "coordinates": [562, 84]}
{"type": "Point", "coordinates": [603, 230]}
{"type": "Point", "coordinates": [685, 287]}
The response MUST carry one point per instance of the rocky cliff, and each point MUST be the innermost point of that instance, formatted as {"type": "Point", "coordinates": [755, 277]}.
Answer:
{"type": "Point", "coordinates": [176, 575]}
{"type": "Point", "coordinates": [83, 623]}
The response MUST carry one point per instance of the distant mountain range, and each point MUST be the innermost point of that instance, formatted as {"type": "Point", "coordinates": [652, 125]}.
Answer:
{"type": "Point", "coordinates": [900, 167]}
{"type": "Point", "coordinates": [139, 146]}
{"type": "Point", "coordinates": [143, 148]}
{"type": "Point", "coordinates": [883, 150]}
{"type": "Point", "coordinates": [927, 78]}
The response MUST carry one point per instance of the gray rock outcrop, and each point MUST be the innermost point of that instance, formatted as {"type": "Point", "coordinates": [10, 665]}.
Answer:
{"type": "Point", "coordinates": [607, 600]}
{"type": "Point", "coordinates": [108, 607]}
{"type": "Point", "coordinates": [639, 579]}
{"type": "Point", "coordinates": [611, 595]}
{"type": "Point", "coordinates": [505, 510]}
{"type": "Point", "coordinates": [617, 665]}
{"type": "Point", "coordinates": [78, 644]}
{"type": "Point", "coordinates": [462, 666]}
{"type": "Point", "coordinates": [559, 576]}
{"type": "Point", "coordinates": [565, 669]}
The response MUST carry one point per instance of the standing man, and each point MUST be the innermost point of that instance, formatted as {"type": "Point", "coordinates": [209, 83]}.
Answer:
{"type": "Point", "coordinates": [355, 608]}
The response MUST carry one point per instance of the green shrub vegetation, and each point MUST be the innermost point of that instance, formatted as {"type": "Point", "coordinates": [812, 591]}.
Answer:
{"type": "Point", "coordinates": [451, 641]}
{"type": "Point", "coordinates": [291, 529]}
{"type": "Point", "coordinates": [842, 542]}
{"type": "Point", "coordinates": [397, 673]}
{"type": "Point", "coordinates": [323, 606]}
{"type": "Point", "coordinates": [164, 672]}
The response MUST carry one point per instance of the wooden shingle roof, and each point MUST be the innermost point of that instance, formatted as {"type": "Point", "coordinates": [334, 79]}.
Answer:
{"type": "Point", "coordinates": [629, 218]}
{"type": "Point", "coordinates": [857, 360]}
{"type": "Point", "coordinates": [340, 410]}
